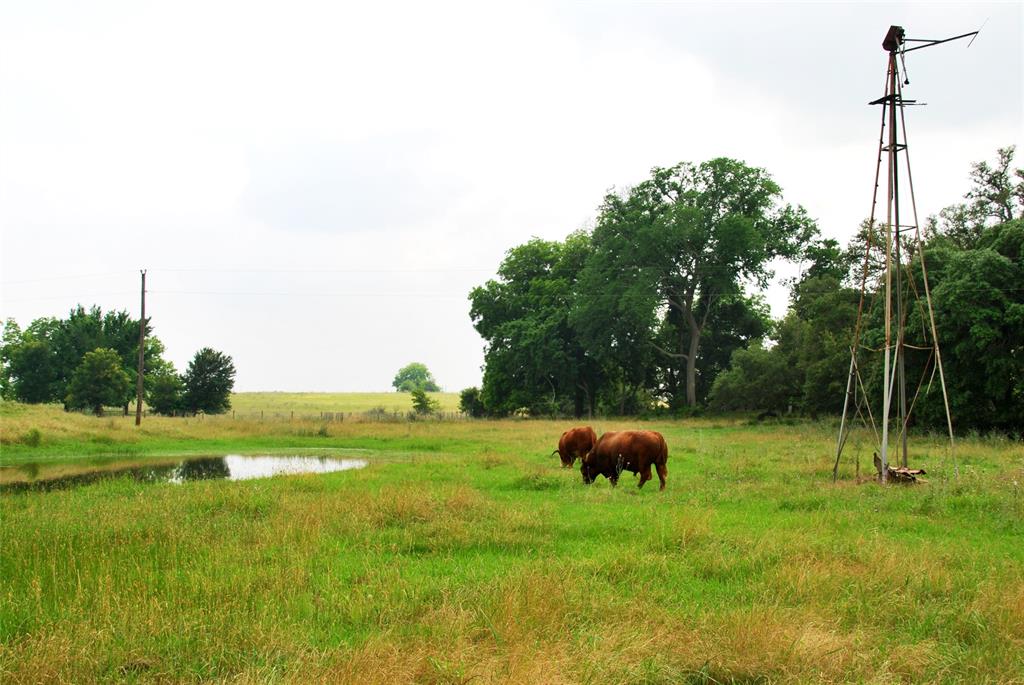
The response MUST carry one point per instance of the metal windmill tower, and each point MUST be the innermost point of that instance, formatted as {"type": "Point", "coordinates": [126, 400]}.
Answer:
{"type": "Point", "coordinates": [899, 283]}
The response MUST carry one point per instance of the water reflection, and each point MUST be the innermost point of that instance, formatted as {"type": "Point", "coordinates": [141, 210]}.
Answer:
{"type": "Point", "coordinates": [201, 469]}
{"type": "Point", "coordinates": [230, 467]}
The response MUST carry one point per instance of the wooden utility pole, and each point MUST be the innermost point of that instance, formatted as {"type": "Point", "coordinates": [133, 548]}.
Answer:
{"type": "Point", "coordinates": [142, 342]}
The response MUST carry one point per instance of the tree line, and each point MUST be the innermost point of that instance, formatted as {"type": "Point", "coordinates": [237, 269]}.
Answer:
{"type": "Point", "coordinates": [652, 311]}
{"type": "Point", "coordinates": [89, 360]}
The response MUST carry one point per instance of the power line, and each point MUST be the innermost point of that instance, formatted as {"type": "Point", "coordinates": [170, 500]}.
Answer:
{"type": "Point", "coordinates": [299, 294]}
{"type": "Point", "coordinates": [66, 277]}
{"type": "Point", "coordinates": [254, 270]}
{"type": "Point", "coordinates": [314, 270]}
{"type": "Point", "coordinates": [79, 296]}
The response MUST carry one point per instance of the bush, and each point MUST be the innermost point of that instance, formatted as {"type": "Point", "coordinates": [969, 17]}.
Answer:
{"type": "Point", "coordinates": [165, 395]}
{"type": "Point", "coordinates": [378, 413]}
{"type": "Point", "coordinates": [757, 380]}
{"type": "Point", "coordinates": [422, 404]}
{"type": "Point", "coordinates": [32, 438]}
{"type": "Point", "coordinates": [471, 403]}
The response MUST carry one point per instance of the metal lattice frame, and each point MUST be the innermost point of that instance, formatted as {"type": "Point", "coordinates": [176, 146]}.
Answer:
{"type": "Point", "coordinates": [894, 350]}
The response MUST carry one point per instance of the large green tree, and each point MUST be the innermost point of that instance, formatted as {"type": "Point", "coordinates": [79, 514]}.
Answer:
{"type": "Point", "coordinates": [975, 260]}
{"type": "Point", "coordinates": [978, 296]}
{"type": "Point", "coordinates": [38, 363]}
{"type": "Point", "coordinates": [208, 382]}
{"type": "Point", "coordinates": [31, 370]}
{"type": "Point", "coordinates": [88, 329]}
{"type": "Point", "coordinates": [34, 378]}
{"type": "Point", "coordinates": [100, 380]}
{"type": "Point", "coordinates": [534, 358]}
{"type": "Point", "coordinates": [686, 240]}
{"type": "Point", "coordinates": [975, 271]}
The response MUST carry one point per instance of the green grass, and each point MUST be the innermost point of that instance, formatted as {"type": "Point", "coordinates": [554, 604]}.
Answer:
{"type": "Point", "coordinates": [463, 553]}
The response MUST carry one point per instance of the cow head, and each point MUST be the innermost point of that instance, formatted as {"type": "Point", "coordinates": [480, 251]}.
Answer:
{"type": "Point", "coordinates": [585, 469]}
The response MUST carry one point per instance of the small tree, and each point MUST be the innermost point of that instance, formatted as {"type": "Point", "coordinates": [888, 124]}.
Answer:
{"type": "Point", "coordinates": [166, 393]}
{"type": "Point", "coordinates": [757, 379]}
{"type": "Point", "coordinates": [422, 404]}
{"type": "Point", "coordinates": [99, 380]}
{"type": "Point", "coordinates": [471, 403]}
{"type": "Point", "coordinates": [413, 376]}
{"type": "Point", "coordinates": [10, 341]}
{"type": "Point", "coordinates": [208, 382]}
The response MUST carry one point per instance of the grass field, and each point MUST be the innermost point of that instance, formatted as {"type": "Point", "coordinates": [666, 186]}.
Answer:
{"type": "Point", "coordinates": [312, 403]}
{"type": "Point", "coordinates": [463, 553]}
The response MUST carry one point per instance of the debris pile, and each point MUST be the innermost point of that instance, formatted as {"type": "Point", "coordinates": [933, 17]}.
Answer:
{"type": "Point", "coordinates": [900, 474]}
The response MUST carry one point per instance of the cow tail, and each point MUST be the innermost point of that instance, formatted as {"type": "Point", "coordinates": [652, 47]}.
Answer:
{"type": "Point", "coordinates": [664, 450]}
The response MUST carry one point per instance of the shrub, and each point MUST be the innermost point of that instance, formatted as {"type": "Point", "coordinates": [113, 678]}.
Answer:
{"type": "Point", "coordinates": [32, 438]}
{"type": "Point", "coordinates": [471, 403]}
{"type": "Point", "coordinates": [422, 404]}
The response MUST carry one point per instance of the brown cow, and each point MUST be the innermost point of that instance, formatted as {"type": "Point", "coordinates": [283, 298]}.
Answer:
{"type": "Point", "coordinates": [575, 442]}
{"type": "Point", "coordinates": [634, 451]}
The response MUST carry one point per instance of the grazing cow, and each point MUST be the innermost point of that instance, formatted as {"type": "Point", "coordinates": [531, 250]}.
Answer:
{"type": "Point", "coordinates": [634, 451]}
{"type": "Point", "coordinates": [575, 442]}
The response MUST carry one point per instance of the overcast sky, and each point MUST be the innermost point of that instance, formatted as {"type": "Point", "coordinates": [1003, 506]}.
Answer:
{"type": "Point", "coordinates": [314, 188]}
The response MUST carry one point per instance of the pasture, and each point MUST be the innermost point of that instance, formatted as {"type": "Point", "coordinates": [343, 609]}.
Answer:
{"type": "Point", "coordinates": [464, 553]}
{"type": "Point", "coordinates": [310, 404]}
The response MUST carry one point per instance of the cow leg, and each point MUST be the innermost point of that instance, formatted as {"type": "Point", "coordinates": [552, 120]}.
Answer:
{"type": "Point", "coordinates": [645, 475]}
{"type": "Point", "coordinates": [662, 474]}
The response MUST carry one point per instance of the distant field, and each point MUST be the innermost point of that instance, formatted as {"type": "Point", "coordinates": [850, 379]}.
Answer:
{"type": "Point", "coordinates": [312, 403]}
{"type": "Point", "coordinates": [463, 553]}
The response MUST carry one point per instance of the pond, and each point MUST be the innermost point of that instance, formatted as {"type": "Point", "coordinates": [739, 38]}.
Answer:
{"type": "Point", "coordinates": [51, 476]}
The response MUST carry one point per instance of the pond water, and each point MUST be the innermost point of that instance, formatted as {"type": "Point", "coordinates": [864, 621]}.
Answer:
{"type": "Point", "coordinates": [230, 467]}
